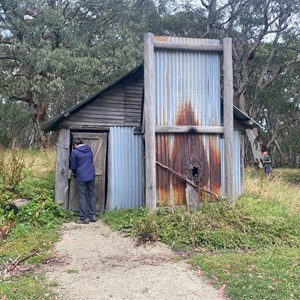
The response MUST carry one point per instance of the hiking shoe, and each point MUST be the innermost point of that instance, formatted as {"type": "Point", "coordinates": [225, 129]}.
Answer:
{"type": "Point", "coordinates": [93, 219]}
{"type": "Point", "coordinates": [84, 221]}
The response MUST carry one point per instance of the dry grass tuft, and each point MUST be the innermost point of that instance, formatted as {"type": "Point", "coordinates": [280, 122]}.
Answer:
{"type": "Point", "coordinates": [274, 188]}
{"type": "Point", "coordinates": [42, 162]}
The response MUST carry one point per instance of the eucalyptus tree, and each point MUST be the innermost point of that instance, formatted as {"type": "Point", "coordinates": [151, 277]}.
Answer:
{"type": "Point", "coordinates": [56, 52]}
{"type": "Point", "coordinates": [14, 117]}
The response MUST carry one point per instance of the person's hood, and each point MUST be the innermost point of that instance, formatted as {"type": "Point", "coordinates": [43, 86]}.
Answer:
{"type": "Point", "coordinates": [83, 148]}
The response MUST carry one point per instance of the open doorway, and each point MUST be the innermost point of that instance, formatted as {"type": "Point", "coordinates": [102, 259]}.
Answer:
{"type": "Point", "coordinates": [98, 144]}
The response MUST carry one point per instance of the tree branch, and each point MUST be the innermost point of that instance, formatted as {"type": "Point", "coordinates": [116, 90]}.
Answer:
{"type": "Point", "coordinates": [187, 180]}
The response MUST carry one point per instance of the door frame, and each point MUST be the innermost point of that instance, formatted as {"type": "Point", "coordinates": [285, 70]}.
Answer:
{"type": "Point", "coordinates": [99, 152]}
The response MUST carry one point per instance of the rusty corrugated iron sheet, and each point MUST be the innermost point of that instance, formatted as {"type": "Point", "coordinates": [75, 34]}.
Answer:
{"type": "Point", "coordinates": [187, 93]}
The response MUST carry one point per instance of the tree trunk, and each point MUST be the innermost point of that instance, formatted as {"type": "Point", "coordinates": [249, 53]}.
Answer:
{"type": "Point", "coordinates": [38, 115]}
{"type": "Point", "coordinates": [256, 146]}
{"type": "Point", "coordinates": [281, 159]}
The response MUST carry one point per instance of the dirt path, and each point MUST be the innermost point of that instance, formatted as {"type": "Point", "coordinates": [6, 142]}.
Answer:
{"type": "Point", "coordinates": [93, 263]}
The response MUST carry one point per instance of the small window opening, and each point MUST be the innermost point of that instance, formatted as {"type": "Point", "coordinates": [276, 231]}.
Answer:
{"type": "Point", "coordinates": [195, 171]}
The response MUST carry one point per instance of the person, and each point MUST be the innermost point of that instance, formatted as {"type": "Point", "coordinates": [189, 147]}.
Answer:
{"type": "Point", "coordinates": [82, 166]}
{"type": "Point", "coordinates": [267, 163]}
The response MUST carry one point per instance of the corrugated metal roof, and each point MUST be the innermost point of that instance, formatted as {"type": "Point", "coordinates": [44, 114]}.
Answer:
{"type": "Point", "coordinates": [244, 119]}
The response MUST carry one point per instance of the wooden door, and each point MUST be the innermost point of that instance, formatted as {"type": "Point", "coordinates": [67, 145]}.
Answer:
{"type": "Point", "coordinates": [98, 143]}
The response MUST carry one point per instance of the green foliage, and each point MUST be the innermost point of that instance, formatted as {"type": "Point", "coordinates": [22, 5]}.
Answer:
{"type": "Point", "coordinates": [123, 220]}
{"type": "Point", "coordinates": [61, 52]}
{"type": "Point", "coordinates": [42, 211]}
{"type": "Point", "coordinates": [27, 287]}
{"type": "Point", "coordinates": [252, 224]}
{"type": "Point", "coordinates": [14, 118]}
{"type": "Point", "coordinates": [271, 274]}
{"type": "Point", "coordinates": [27, 239]}
{"type": "Point", "coordinates": [145, 230]}
{"type": "Point", "coordinates": [28, 236]}
{"type": "Point", "coordinates": [20, 181]}
{"type": "Point", "coordinates": [251, 249]}
{"type": "Point", "coordinates": [12, 164]}
{"type": "Point", "coordinates": [134, 222]}
{"type": "Point", "coordinates": [35, 243]}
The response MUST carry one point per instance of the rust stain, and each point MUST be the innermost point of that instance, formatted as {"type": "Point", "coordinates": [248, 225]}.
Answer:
{"type": "Point", "coordinates": [161, 39]}
{"type": "Point", "coordinates": [162, 175]}
{"type": "Point", "coordinates": [189, 156]}
{"type": "Point", "coordinates": [215, 165]}
{"type": "Point", "coordinates": [186, 115]}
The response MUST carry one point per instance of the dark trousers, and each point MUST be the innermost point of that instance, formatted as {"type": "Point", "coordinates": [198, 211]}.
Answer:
{"type": "Point", "coordinates": [87, 199]}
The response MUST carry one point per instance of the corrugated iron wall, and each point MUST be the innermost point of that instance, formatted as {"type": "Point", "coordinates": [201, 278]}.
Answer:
{"type": "Point", "coordinates": [238, 167]}
{"type": "Point", "coordinates": [125, 186]}
{"type": "Point", "coordinates": [187, 85]}
{"type": "Point", "coordinates": [238, 141]}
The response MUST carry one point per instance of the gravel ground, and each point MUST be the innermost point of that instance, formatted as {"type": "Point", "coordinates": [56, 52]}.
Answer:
{"type": "Point", "coordinates": [92, 262]}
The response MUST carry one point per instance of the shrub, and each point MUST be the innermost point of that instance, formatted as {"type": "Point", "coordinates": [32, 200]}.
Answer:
{"type": "Point", "coordinates": [251, 224]}
{"type": "Point", "coordinates": [43, 211]}
{"type": "Point", "coordinates": [12, 164]}
{"type": "Point", "coordinates": [145, 230]}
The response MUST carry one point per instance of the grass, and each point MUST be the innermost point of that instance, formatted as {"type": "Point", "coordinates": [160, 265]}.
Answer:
{"type": "Point", "coordinates": [264, 274]}
{"type": "Point", "coordinates": [252, 249]}
{"type": "Point", "coordinates": [289, 174]}
{"type": "Point", "coordinates": [28, 236]}
{"type": "Point", "coordinates": [26, 287]}
{"type": "Point", "coordinates": [72, 271]}
{"type": "Point", "coordinates": [36, 244]}
{"type": "Point", "coordinates": [40, 163]}
{"type": "Point", "coordinates": [278, 187]}
{"type": "Point", "coordinates": [31, 240]}
{"type": "Point", "coordinates": [251, 224]}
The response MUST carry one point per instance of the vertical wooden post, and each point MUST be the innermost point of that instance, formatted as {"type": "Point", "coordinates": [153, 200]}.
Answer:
{"type": "Point", "coordinates": [149, 115]}
{"type": "Point", "coordinates": [228, 119]}
{"type": "Point", "coordinates": [62, 168]}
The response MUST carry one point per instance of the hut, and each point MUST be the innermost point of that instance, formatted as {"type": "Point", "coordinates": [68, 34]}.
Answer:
{"type": "Point", "coordinates": [162, 134]}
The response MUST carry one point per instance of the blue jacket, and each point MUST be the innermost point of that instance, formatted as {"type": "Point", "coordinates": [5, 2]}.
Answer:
{"type": "Point", "coordinates": [82, 164]}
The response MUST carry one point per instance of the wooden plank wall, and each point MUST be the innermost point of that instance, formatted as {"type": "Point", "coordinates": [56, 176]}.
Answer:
{"type": "Point", "coordinates": [120, 105]}
{"type": "Point", "coordinates": [133, 100]}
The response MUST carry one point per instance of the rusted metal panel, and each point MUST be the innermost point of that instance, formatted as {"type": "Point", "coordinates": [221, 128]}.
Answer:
{"type": "Point", "coordinates": [187, 93]}
{"type": "Point", "coordinates": [196, 157]}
